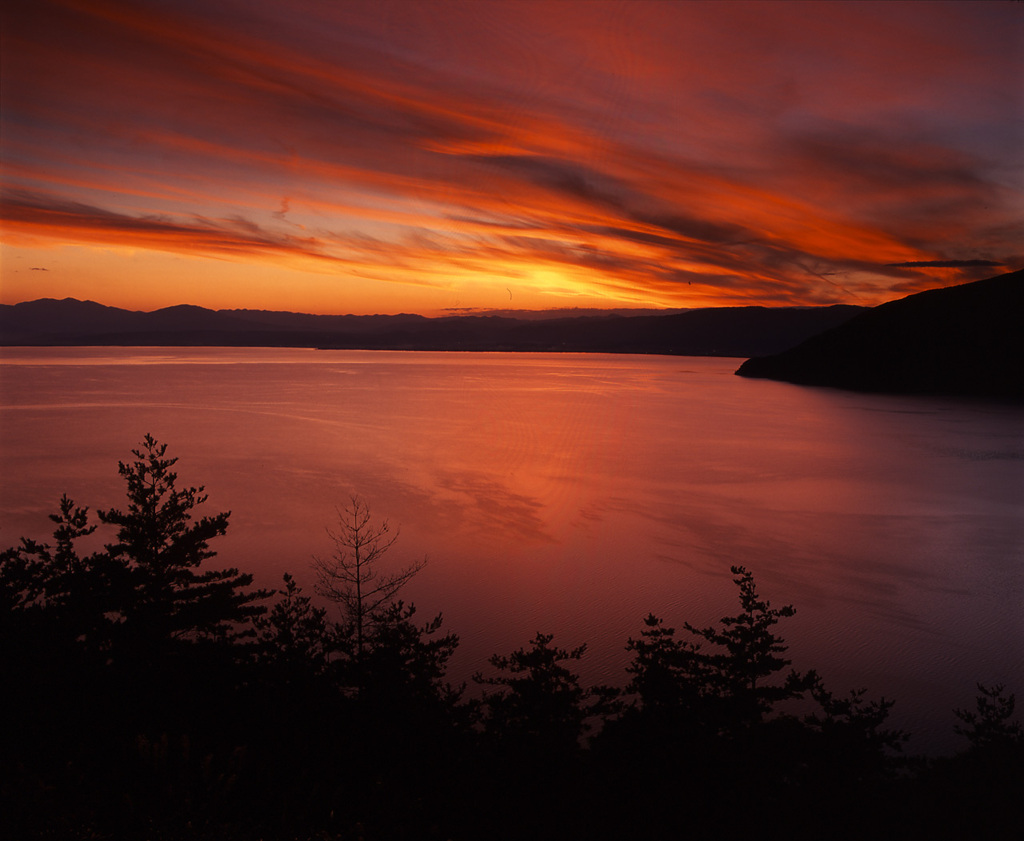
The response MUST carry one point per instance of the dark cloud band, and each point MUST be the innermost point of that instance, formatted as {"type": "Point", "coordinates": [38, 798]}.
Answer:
{"type": "Point", "coordinates": [943, 264]}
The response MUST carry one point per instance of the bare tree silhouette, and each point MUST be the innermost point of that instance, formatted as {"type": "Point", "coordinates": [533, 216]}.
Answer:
{"type": "Point", "coordinates": [351, 578]}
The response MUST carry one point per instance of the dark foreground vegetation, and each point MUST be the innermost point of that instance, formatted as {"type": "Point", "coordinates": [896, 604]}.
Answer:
{"type": "Point", "coordinates": [150, 696]}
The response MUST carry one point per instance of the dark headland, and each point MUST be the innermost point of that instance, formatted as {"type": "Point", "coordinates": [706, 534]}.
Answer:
{"type": "Point", "coordinates": [962, 340]}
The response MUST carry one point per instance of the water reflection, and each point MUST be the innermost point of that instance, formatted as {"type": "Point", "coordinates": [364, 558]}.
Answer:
{"type": "Point", "coordinates": [574, 494]}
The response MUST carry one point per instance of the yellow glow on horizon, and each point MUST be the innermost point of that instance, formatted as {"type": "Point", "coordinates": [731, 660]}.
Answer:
{"type": "Point", "coordinates": [137, 278]}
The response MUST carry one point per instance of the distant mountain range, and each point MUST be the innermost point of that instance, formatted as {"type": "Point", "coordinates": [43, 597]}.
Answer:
{"type": "Point", "coordinates": [966, 340]}
{"type": "Point", "coordinates": [727, 331]}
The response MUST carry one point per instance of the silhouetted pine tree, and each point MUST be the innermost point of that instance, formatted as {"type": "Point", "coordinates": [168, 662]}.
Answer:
{"type": "Point", "coordinates": [538, 701]}
{"type": "Point", "coordinates": [990, 725]}
{"type": "Point", "coordinates": [743, 672]}
{"type": "Point", "coordinates": [293, 638]}
{"type": "Point", "coordinates": [166, 597]}
{"type": "Point", "coordinates": [56, 619]}
{"type": "Point", "coordinates": [74, 592]}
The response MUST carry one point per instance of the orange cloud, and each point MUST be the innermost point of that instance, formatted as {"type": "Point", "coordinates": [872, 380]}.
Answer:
{"type": "Point", "coordinates": [623, 154]}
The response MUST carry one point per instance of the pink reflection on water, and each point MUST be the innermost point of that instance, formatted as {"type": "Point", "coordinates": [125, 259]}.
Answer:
{"type": "Point", "coordinates": [575, 494]}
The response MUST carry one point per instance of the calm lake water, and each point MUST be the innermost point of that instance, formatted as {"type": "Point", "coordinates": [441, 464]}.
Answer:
{"type": "Point", "coordinates": [573, 494]}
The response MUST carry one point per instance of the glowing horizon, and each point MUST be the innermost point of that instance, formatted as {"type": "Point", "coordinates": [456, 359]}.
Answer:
{"type": "Point", "coordinates": [376, 157]}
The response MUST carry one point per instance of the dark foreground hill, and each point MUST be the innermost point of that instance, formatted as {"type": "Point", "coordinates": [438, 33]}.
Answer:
{"type": "Point", "coordinates": [727, 331]}
{"type": "Point", "coordinates": [964, 340]}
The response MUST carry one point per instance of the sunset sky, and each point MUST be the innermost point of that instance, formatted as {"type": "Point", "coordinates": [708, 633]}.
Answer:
{"type": "Point", "coordinates": [447, 157]}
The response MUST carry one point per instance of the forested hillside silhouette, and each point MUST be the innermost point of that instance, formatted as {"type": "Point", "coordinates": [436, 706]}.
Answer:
{"type": "Point", "coordinates": [151, 695]}
{"type": "Point", "coordinates": [717, 331]}
{"type": "Point", "coordinates": [963, 340]}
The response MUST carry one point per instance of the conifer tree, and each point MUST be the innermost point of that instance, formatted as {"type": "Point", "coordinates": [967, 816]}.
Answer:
{"type": "Point", "coordinates": [990, 725]}
{"type": "Point", "coordinates": [166, 594]}
{"type": "Point", "coordinates": [849, 738]}
{"type": "Point", "coordinates": [404, 667]}
{"type": "Point", "coordinates": [54, 583]}
{"type": "Point", "coordinates": [750, 654]}
{"type": "Point", "coordinates": [293, 636]}
{"type": "Point", "coordinates": [538, 701]}
{"type": "Point", "coordinates": [668, 673]}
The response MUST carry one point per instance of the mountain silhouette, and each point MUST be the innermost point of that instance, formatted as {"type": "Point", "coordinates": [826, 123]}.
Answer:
{"type": "Point", "coordinates": [965, 340]}
{"type": "Point", "coordinates": [726, 331]}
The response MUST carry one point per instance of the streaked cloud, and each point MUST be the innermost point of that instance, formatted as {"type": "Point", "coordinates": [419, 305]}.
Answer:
{"type": "Point", "coordinates": [946, 264]}
{"type": "Point", "coordinates": [579, 154]}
